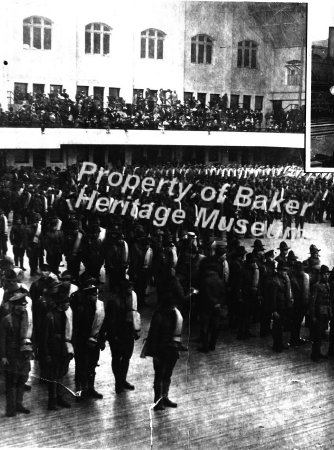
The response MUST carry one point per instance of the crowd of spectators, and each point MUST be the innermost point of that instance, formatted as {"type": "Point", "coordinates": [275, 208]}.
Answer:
{"type": "Point", "coordinates": [151, 111]}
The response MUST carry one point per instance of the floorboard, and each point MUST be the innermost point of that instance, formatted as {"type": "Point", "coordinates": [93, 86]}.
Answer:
{"type": "Point", "coordinates": [242, 396]}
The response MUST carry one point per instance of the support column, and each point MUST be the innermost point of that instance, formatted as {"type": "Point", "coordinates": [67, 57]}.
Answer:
{"type": "Point", "coordinates": [223, 156]}
{"type": "Point", "coordinates": [127, 157]}
{"type": "Point", "coordinates": [239, 157]}
{"type": "Point", "coordinates": [179, 155]}
{"type": "Point", "coordinates": [206, 156]}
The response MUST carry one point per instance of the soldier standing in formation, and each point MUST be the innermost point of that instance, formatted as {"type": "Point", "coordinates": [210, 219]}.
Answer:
{"type": "Point", "coordinates": [320, 312]}
{"type": "Point", "coordinates": [88, 317]}
{"type": "Point", "coordinates": [16, 351]}
{"type": "Point", "coordinates": [58, 349]}
{"type": "Point", "coordinates": [121, 331]}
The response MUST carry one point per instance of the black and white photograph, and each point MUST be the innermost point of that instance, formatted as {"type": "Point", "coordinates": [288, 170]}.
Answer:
{"type": "Point", "coordinates": [166, 261]}
{"type": "Point", "coordinates": [321, 29]}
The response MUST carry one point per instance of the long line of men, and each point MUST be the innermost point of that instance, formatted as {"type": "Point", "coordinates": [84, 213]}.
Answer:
{"type": "Point", "coordinates": [58, 321]}
{"type": "Point", "coordinates": [47, 216]}
{"type": "Point", "coordinates": [215, 278]}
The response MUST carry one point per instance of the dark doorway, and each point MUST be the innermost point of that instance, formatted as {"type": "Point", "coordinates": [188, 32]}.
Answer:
{"type": "Point", "coordinates": [98, 156]}
{"type": "Point", "coordinates": [201, 96]}
{"type": "Point", "coordinates": [39, 158]}
{"type": "Point", "coordinates": [234, 101]}
{"type": "Point", "coordinates": [247, 102]}
{"type": "Point", "coordinates": [277, 106]}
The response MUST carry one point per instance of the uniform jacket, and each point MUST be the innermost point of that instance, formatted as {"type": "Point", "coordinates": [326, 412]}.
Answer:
{"type": "Point", "coordinates": [160, 335]}
{"type": "Point", "coordinates": [281, 294]}
{"type": "Point", "coordinates": [320, 306]}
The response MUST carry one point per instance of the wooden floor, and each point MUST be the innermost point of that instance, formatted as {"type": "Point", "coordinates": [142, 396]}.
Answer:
{"type": "Point", "coordinates": [242, 396]}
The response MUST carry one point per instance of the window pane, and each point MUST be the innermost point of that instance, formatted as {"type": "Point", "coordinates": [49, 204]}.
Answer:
{"type": "Point", "coordinates": [20, 92]}
{"type": "Point", "coordinates": [114, 92]}
{"type": "Point", "coordinates": [37, 37]}
{"type": "Point", "coordinates": [151, 48]}
{"type": "Point", "coordinates": [97, 26]}
{"type": "Point", "coordinates": [151, 32]}
{"type": "Point", "coordinates": [200, 54]}
{"type": "Point", "coordinates": [160, 49]}
{"type": "Point", "coordinates": [187, 96]}
{"type": "Point", "coordinates": [106, 44]}
{"type": "Point", "coordinates": [82, 90]}
{"type": "Point", "coordinates": [88, 27]}
{"type": "Point", "coordinates": [47, 22]}
{"type": "Point", "coordinates": [143, 48]}
{"type": "Point", "coordinates": [247, 43]}
{"type": "Point", "coordinates": [208, 54]}
{"type": "Point", "coordinates": [246, 57]}
{"type": "Point", "coordinates": [26, 21]}
{"type": "Point", "coordinates": [201, 97]}
{"type": "Point", "coordinates": [87, 42]}
{"type": "Point", "coordinates": [96, 43]}
{"type": "Point", "coordinates": [47, 38]}
{"type": "Point", "coordinates": [209, 40]}
{"type": "Point", "coordinates": [37, 20]}
{"type": "Point", "coordinates": [193, 53]}
{"type": "Point", "coordinates": [253, 58]}
{"type": "Point", "coordinates": [239, 57]}
{"type": "Point", "coordinates": [55, 88]}
{"type": "Point", "coordinates": [38, 88]}
{"type": "Point", "coordinates": [26, 35]}
{"type": "Point", "coordinates": [201, 37]}
{"type": "Point", "coordinates": [214, 98]}
{"type": "Point", "coordinates": [160, 34]}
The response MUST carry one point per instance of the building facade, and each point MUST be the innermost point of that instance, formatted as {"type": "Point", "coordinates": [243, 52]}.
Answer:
{"type": "Point", "coordinates": [254, 53]}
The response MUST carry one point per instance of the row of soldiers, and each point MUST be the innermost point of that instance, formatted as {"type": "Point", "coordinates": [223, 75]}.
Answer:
{"type": "Point", "coordinates": [54, 321]}
{"type": "Point", "coordinates": [229, 282]}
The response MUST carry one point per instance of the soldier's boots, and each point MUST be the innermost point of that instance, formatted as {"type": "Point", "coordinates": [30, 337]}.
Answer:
{"type": "Point", "coordinates": [158, 399]}
{"type": "Point", "coordinates": [129, 386]}
{"type": "Point", "coordinates": [22, 409]}
{"type": "Point", "coordinates": [91, 392]}
{"type": "Point", "coordinates": [19, 399]}
{"type": "Point", "coordinates": [52, 401]}
{"type": "Point", "coordinates": [62, 402]}
{"type": "Point", "coordinates": [166, 400]}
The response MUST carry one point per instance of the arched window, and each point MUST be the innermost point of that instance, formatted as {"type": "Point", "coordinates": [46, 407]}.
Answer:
{"type": "Point", "coordinates": [247, 54]}
{"type": "Point", "coordinates": [37, 33]}
{"type": "Point", "coordinates": [152, 44]}
{"type": "Point", "coordinates": [97, 39]}
{"type": "Point", "coordinates": [201, 49]}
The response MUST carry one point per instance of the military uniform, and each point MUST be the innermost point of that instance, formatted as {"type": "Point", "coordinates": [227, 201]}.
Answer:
{"type": "Point", "coordinates": [281, 305]}
{"type": "Point", "coordinates": [300, 287]}
{"type": "Point", "coordinates": [320, 312]}
{"type": "Point", "coordinates": [16, 352]}
{"type": "Point", "coordinates": [58, 349]}
{"type": "Point", "coordinates": [33, 244]}
{"type": "Point", "coordinates": [211, 298]}
{"type": "Point", "coordinates": [163, 342]}
{"type": "Point", "coordinates": [88, 316]}
{"type": "Point", "coordinates": [120, 332]}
